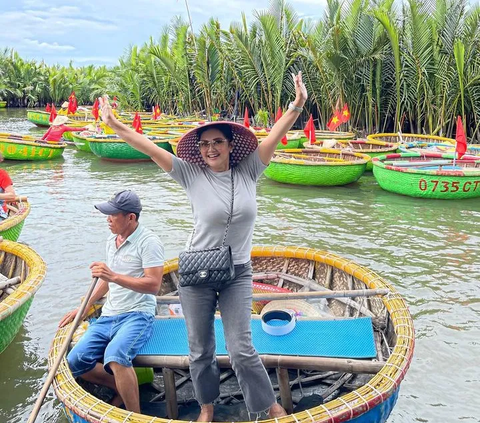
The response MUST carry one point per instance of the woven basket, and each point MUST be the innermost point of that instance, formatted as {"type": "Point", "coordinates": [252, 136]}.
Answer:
{"type": "Point", "coordinates": [425, 183]}
{"type": "Point", "coordinates": [406, 138]}
{"type": "Point", "coordinates": [118, 150]}
{"type": "Point", "coordinates": [370, 148]}
{"type": "Point", "coordinates": [371, 403]}
{"type": "Point", "coordinates": [11, 227]}
{"type": "Point", "coordinates": [18, 260]}
{"type": "Point", "coordinates": [307, 167]}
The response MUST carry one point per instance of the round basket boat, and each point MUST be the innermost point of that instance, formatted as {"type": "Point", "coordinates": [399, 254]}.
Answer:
{"type": "Point", "coordinates": [80, 139]}
{"type": "Point", "coordinates": [25, 147]}
{"type": "Point", "coordinates": [370, 148]}
{"type": "Point", "coordinates": [11, 227]}
{"type": "Point", "coordinates": [329, 135]}
{"type": "Point", "coordinates": [39, 117]}
{"type": "Point", "coordinates": [18, 260]}
{"type": "Point", "coordinates": [322, 167]}
{"type": "Point", "coordinates": [428, 175]}
{"type": "Point", "coordinates": [472, 150]}
{"type": "Point", "coordinates": [118, 150]}
{"type": "Point", "coordinates": [3, 104]}
{"type": "Point", "coordinates": [293, 141]}
{"type": "Point", "coordinates": [408, 138]}
{"type": "Point", "coordinates": [360, 391]}
{"type": "Point", "coordinates": [174, 144]}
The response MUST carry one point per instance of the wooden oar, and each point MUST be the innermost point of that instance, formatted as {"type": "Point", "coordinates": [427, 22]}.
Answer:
{"type": "Point", "coordinates": [63, 350]}
{"type": "Point", "coordinates": [170, 299]}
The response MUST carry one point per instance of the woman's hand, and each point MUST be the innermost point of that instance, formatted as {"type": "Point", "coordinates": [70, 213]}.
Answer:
{"type": "Point", "coordinates": [107, 115]}
{"type": "Point", "coordinates": [301, 94]}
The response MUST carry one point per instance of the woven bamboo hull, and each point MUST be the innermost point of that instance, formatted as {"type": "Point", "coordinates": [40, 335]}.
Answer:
{"type": "Point", "coordinates": [18, 260]}
{"type": "Point", "coordinates": [14, 149]}
{"type": "Point", "coordinates": [11, 227]}
{"type": "Point", "coordinates": [317, 176]}
{"type": "Point", "coordinates": [370, 148]}
{"type": "Point", "coordinates": [121, 151]}
{"type": "Point", "coordinates": [444, 184]}
{"type": "Point", "coordinates": [370, 403]}
{"type": "Point", "coordinates": [329, 135]}
{"type": "Point", "coordinates": [80, 142]}
{"type": "Point", "coordinates": [38, 117]}
{"type": "Point", "coordinates": [3, 104]}
{"type": "Point", "coordinates": [304, 172]}
{"type": "Point", "coordinates": [173, 145]}
{"type": "Point", "coordinates": [407, 138]}
{"type": "Point", "coordinates": [377, 414]}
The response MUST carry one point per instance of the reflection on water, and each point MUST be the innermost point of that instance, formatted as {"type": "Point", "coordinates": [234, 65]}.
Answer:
{"type": "Point", "coordinates": [428, 249]}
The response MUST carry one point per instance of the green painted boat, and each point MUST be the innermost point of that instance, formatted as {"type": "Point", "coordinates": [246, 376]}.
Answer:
{"type": "Point", "coordinates": [18, 260]}
{"type": "Point", "coordinates": [370, 148]}
{"type": "Point", "coordinates": [409, 138]}
{"type": "Point", "coordinates": [81, 141]}
{"type": "Point", "coordinates": [328, 135]}
{"type": "Point", "coordinates": [322, 167]}
{"type": "Point", "coordinates": [293, 141]}
{"type": "Point", "coordinates": [3, 104]}
{"type": "Point", "coordinates": [114, 148]}
{"type": "Point", "coordinates": [11, 227]}
{"type": "Point", "coordinates": [428, 175]}
{"type": "Point", "coordinates": [25, 147]}
{"type": "Point", "coordinates": [39, 117]}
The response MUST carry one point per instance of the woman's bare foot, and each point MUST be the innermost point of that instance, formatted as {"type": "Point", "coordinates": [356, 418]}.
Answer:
{"type": "Point", "coordinates": [206, 413]}
{"type": "Point", "coordinates": [276, 410]}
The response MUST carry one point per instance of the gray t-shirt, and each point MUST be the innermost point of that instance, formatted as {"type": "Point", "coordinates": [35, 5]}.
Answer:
{"type": "Point", "coordinates": [210, 195]}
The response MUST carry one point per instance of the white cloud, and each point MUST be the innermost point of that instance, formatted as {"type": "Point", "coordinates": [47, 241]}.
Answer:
{"type": "Point", "coordinates": [99, 31]}
{"type": "Point", "coordinates": [97, 60]}
{"type": "Point", "coordinates": [46, 46]}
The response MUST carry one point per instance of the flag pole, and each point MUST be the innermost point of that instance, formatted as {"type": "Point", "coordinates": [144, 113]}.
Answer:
{"type": "Point", "coordinates": [191, 25]}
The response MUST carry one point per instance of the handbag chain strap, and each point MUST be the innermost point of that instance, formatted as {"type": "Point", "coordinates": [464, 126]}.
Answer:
{"type": "Point", "coordinates": [229, 216]}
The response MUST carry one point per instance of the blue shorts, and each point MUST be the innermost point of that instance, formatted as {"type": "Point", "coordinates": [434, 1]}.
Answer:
{"type": "Point", "coordinates": [111, 338]}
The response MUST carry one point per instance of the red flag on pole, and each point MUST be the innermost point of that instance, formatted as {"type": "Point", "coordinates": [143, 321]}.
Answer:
{"type": "Point", "coordinates": [137, 123]}
{"type": "Point", "coordinates": [53, 114]}
{"type": "Point", "coordinates": [95, 109]}
{"type": "Point", "coordinates": [48, 108]}
{"type": "Point", "coordinates": [156, 112]}
{"type": "Point", "coordinates": [309, 131]}
{"type": "Point", "coordinates": [461, 144]}
{"type": "Point", "coordinates": [278, 115]}
{"type": "Point", "coordinates": [345, 114]}
{"type": "Point", "coordinates": [72, 103]}
{"type": "Point", "coordinates": [334, 121]}
{"type": "Point", "coordinates": [246, 121]}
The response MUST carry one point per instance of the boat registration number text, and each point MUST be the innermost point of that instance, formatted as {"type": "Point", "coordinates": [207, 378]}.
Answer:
{"type": "Point", "coordinates": [435, 185]}
{"type": "Point", "coordinates": [27, 151]}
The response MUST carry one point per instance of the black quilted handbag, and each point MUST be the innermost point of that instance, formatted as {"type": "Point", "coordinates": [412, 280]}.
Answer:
{"type": "Point", "coordinates": [212, 265]}
{"type": "Point", "coordinates": [197, 267]}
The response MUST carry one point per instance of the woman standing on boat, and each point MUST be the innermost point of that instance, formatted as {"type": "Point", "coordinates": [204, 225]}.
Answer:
{"type": "Point", "coordinates": [206, 157]}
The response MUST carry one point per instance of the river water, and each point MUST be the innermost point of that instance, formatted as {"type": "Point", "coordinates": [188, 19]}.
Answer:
{"type": "Point", "coordinates": [428, 249]}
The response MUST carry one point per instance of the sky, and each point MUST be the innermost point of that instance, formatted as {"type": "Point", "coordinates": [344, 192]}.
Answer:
{"type": "Point", "coordinates": [99, 31]}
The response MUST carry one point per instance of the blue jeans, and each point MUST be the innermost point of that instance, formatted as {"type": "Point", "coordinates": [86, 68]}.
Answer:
{"type": "Point", "coordinates": [111, 338]}
{"type": "Point", "coordinates": [235, 303]}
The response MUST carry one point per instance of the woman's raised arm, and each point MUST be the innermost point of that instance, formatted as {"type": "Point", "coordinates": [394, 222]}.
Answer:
{"type": "Point", "coordinates": [269, 144]}
{"type": "Point", "coordinates": [160, 156]}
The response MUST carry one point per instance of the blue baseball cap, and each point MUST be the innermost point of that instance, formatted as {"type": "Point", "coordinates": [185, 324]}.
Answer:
{"type": "Point", "coordinates": [123, 201]}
